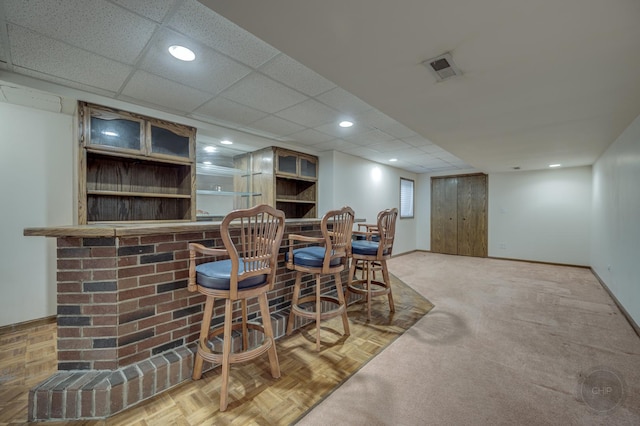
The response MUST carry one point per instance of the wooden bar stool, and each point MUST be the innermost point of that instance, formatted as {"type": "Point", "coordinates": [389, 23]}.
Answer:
{"type": "Point", "coordinates": [329, 257]}
{"type": "Point", "coordinates": [371, 254]}
{"type": "Point", "coordinates": [252, 240]}
{"type": "Point", "coordinates": [366, 231]}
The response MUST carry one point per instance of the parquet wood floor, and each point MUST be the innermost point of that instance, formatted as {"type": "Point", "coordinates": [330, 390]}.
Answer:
{"type": "Point", "coordinates": [255, 398]}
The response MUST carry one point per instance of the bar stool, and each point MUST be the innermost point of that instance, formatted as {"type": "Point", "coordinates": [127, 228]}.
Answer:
{"type": "Point", "coordinates": [252, 240]}
{"type": "Point", "coordinates": [372, 256]}
{"type": "Point", "coordinates": [329, 257]}
{"type": "Point", "coordinates": [366, 231]}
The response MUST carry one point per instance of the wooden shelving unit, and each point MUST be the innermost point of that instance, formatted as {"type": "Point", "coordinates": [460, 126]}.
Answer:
{"type": "Point", "coordinates": [134, 168]}
{"type": "Point", "coordinates": [281, 178]}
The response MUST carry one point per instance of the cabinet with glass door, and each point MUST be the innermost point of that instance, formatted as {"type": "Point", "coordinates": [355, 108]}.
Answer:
{"type": "Point", "coordinates": [134, 168]}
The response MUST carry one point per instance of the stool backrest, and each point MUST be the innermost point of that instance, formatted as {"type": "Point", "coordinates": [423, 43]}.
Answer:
{"type": "Point", "coordinates": [253, 235]}
{"type": "Point", "coordinates": [337, 228]}
{"type": "Point", "coordinates": [387, 231]}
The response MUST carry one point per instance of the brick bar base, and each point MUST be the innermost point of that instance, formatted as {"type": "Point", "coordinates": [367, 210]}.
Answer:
{"type": "Point", "coordinates": [98, 394]}
{"type": "Point", "coordinates": [126, 321]}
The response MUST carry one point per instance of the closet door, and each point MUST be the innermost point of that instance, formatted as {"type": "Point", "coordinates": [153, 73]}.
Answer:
{"type": "Point", "coordinates": [472, 215]}
{"type": "Point", "coordinates": [444, 214]}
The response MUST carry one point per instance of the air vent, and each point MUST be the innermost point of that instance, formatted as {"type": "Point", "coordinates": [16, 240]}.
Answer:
{"type": "Point", "coordinates": [442, 67]}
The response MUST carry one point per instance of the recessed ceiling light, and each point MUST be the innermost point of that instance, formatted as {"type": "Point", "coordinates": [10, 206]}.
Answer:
{"type": "Point", "coordinates": [555, 165]}
{"type": "Point", "coordinates": [345, 123]}
{"type": "Point", "coordinates": [182, 53]}
{"type": "Point", "coordinates": [226, 142]}
{"type": "Point", "coordinates": [208, 163]}
{"type": "Point", "coordinates": [210, 148]}
{"type": "Point", "coordinates": [393, 159]}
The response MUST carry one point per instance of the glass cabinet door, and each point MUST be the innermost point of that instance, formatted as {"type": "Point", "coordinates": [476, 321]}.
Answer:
{"type": "Point", "coordinates": [167, 142]}
{"type": "Point", "coordinates": [308, 167]}
{"type": "Point", "coordinates": [287, 163]}
{"type": "Point", "coordinates": [113, 130]}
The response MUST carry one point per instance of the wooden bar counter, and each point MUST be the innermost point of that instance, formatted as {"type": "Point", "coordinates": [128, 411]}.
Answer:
{"type": "Point", "coordinates": [126, 321]}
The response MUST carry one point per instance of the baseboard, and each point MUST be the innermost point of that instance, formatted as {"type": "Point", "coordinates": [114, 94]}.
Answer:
{"type": "Point", "coordinates": [632, 323]}
{"type": "Point", "coordinates": [540, 262]}
{"type": "Point", "coordinates": [12, 328]}
{"type": "Point", "coordinates": [409, 252]}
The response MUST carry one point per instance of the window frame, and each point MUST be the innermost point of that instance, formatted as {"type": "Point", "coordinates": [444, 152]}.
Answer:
{"type": "Point", "coordinates": [403, 214]}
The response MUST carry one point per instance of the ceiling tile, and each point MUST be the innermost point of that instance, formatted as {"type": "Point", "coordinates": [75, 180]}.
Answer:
{"type": "Point", "coordinates": [276, 126]}
{"type": "Point", "coordinates": [374, 118]}
{"type": "Point", "coordinates": [65, 82]}
{"type": "Point", "coordinates": [445, 156]}
{"type": "Point", "coordinates": [390, 146]}
{"type": "Point", "coordinates": [443, 168]}
{"type": "Point", "coordinates": [396, 129]}
{"type": "Point", "coordinates": [262, 93]}
{"type": "Point", "coordinates": [418, 141]}
{"type": "Point", "coordinates": [310, 137]}
{"type": "Point", "coordinates": [420, 158]}
{"type": "Point", "coordinates": [344, 102]}
{"type": "Point", "coordinates": [48, 56]}
{"type": "Point", "coordinates": [309, 113]}
{"type": "Point", "coordinates": [152, 9]}
{"type": "Point", "coordinates": [332, 128]}
{"type": "Point", "coordinates": [115, 32]}
{"type": "Point", "coordinates": [201, 23]}
{"type": "Point", "coordinates": [230, 111]}
{"type": "Point", "coordinates": [432, 149]}
{"type": "Point", "coordinates": [360, 151]}
{"type": "Point", "coordinates": [373, 137]}
{"type": "Point", "coordinates": [292, 73]}
{"type": "Point", "coordinates": [337, 145]}
{"type": "Point", "coordinates": [436, 164]}
{"type": "Point", "coordinates": [167, 95]}
{"type": "Point", "coordinates": [408, 154]}
{"type": "Point", "coordinates": [210, 71]}
{"type": "Point", "coordinates": [380, 157]}
{"type": "Point", "coordinates": [417, 169]}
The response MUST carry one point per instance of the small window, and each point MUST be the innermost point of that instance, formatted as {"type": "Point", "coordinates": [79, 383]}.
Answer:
{"type": "Point", "coordinates": [406, 198]}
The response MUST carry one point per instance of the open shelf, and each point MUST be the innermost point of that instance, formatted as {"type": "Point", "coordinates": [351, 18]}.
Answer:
{"type": "Point", "coordinates": [134, 168]}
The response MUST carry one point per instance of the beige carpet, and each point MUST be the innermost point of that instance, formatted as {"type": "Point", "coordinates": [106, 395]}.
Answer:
{"type": "Point", "coordinates": [508, 343]}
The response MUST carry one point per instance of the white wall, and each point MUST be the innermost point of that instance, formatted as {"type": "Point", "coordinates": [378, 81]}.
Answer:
{"type": "Point", "coordinates": [541, 215]}
{"type": "Point", "coordinates": [36, 173]}
{"type": "Point", "coordinates": [367, 188]}
{"type": "Point", "coordinates": [615, 242]}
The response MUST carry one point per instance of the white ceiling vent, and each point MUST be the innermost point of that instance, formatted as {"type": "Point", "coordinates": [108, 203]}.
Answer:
{"type": "Point", "coordinates": [442, 67]}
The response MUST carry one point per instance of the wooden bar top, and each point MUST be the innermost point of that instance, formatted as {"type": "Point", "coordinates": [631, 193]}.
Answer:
{"type": "Point", "coordinates": [108, 230]}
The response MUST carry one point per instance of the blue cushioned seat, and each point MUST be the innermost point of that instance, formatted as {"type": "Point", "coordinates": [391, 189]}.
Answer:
{"type": "Point", "coordinates": [364, 247]}
{"type": "Point", "coordinates": [311, 257]}
{"type": "Point", "coordinates": [374, 237]}
{"type": "Point", "coordinates": [217, 275]}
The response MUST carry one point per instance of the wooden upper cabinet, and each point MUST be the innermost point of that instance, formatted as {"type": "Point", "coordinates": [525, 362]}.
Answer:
{"type": "Point", "coordinates": [134, 168]}
{"type": "Point", "coordinates": [294, 164]}
{"type": "Point", "coordinates": [127, 133]}
{"type": "Point", "coordinates": [105, 129]}
{"type": "Point", "coordinates": [284, 179]}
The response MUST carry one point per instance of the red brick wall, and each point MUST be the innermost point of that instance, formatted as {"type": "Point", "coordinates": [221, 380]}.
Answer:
{"type": "Point", "coordinates": [124, 307]}
{"type": "Point", "coordinates": [123, 300]}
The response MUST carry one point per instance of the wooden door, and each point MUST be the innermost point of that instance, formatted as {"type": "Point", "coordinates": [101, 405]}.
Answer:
{"type": "Point", "coordinates": [472, 215]}
{"type": "Point", "coordinates": [444, 228]}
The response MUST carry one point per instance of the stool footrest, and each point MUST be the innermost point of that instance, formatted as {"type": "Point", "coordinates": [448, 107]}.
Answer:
{"type": "Point", "coordinates": [306, 313]}
{"type": "Point", "coordinates": [358, 287]}
{"type": "Point", "coordinates": [216, 358]}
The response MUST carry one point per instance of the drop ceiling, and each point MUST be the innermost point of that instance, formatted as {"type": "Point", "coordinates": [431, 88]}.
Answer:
{"type": "Point", "coordinates": [543, 82]}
